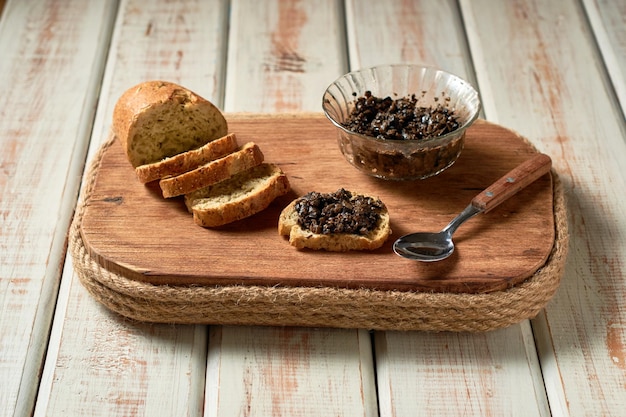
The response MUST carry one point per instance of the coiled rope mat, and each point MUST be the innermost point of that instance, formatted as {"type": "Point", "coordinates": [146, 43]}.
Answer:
{"type": "Point", "coordinates": [319, 307]}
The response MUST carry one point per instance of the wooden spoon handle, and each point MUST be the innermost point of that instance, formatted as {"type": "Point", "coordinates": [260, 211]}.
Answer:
{"type": "Point", "coordinates": [520, 177]}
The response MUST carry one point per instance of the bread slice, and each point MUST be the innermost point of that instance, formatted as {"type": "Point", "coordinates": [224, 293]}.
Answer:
{"type": "Point", "coordinates": [248, 156]}
{"type": "Point", "coordinates": [238, 197]}
{"type": "Point", "coordinates": [187, 161]}
{"type": "Point", "coordinates": [336, 242]}
{"type": "Point", "coordinates": [158, 119]}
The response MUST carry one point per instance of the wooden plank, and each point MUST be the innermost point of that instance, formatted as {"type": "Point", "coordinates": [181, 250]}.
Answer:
{"type": "Point", "coordinates": [289, 372]}
{"type": "Point", "coordinates": [279, 60]}
{"type": "Point", "coordinates": [441, 374]}
{"type": "Point", "coordinates": [414, 31]}
{"type": "Point", "coordinates": [152, 250]}
{"type": "Point", "coordinates": [49, 71]}
{"type": "Point", "coordinates": [282, 54]}
{"type": "Point", "coordinates": [539, 61]}
{"type": "Point", "coordinates": [463, 374]}
{"type": "Point", "coordinates": [608, 22]}
{"type": "Point", "coordinates": [99, 363]}
{"type": "Point", "coordinates": [114, 367]}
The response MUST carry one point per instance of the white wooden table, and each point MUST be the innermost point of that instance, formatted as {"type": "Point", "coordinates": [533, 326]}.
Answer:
{"type": "Point", "coordinates": [555, 71]}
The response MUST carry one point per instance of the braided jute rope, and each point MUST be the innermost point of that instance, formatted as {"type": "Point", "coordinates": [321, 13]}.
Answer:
{"type": "Point", "coordinates": [319, 307]}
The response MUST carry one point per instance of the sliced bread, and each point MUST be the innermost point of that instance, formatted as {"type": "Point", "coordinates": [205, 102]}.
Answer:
{"type": "Point", "coordinates": [158, 119]}
{"type": "Point", "coordinates": [237, 197]}
{"type": "Point", "coordinates": [248, 156]}
{"type": "Point", "coordinates": [187, 161]}
{"type": "Point", "coordinates": [300, 237]}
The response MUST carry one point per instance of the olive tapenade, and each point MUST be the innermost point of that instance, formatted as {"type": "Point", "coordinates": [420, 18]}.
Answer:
{"type": "Point", "coordinates": [399, 119]}
{"type": "Point", "coordinates": [410, 141]}
{"type": "Point", "coordinates": [338, 212]}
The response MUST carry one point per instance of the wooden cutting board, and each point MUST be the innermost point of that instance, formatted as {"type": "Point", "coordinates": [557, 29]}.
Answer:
{"type": "Point", "coordinates": [131, 230]}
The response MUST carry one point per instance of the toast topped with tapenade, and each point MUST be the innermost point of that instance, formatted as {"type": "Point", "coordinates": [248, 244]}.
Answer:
{"type": "Point", "coordinates": [337, 222]}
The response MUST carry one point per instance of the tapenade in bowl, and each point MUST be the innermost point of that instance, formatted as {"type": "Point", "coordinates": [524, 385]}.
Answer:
{"type": "Point", "coordinates": [401, 122]}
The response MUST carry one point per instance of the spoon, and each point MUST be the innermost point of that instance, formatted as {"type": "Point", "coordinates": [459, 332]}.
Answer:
{"type": "Point", "coordinates": [429, 247]}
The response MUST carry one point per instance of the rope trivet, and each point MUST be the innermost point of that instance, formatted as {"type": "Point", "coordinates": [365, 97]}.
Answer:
{"type": "Point", "coordinates": [319, 307]}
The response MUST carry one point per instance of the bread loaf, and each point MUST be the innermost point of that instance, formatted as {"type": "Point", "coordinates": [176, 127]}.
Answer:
{"type": "Point", "coordinates": [300, 237]}
{"type": "Point", "coordinates": [173, 135]}
{"type": "Point", "coordinates": [187, 161]}
{"type": "Point", "coordinates": [237, 197]}
{"type": "Point", "coordinates": [158, 119]}
{"type": "Point", "coordinates": [248, 156]}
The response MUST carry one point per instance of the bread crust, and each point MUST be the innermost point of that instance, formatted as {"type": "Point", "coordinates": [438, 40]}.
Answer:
{"type": "Point", "coordinates": [221, 203]}
{"type": "Point", "coordinates": [187, 161]}
{"type": "Point", "coordinates": [337, 242]}
{"type": "Point", "coordinates": [248, 156]}
{"type": "Point", "coordinates": [140, 109]}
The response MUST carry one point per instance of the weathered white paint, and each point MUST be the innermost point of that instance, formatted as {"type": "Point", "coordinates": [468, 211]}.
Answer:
{"type": "Point", "coordinates": [416, 32]}
{"type": "Point", "coordinates": [540, 67]}
{"type": "Point", "coordinates": [282, 55]}
{"type": "Point", "coordinates": [437, 374]}
{"type": "Point", "coordinates": [458, 374]}
{"type": "Point", "coordinates": [49, 75]}
{"type": "Point", "coordinates": [546, 84]}
{"type": "Point", "coordinates": [258, 371]}
{"type": "Point", "coordinates": [98, 363]}
{"type": "Point", "coordinates": [608, 21]}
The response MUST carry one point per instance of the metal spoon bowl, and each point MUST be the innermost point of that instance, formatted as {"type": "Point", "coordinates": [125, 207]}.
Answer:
{"type": "Point", "coordinates": [429, 247]}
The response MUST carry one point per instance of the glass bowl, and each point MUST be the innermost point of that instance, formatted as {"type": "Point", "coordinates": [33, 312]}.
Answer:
{"type": "Point", "coordinates": [401, 159]}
